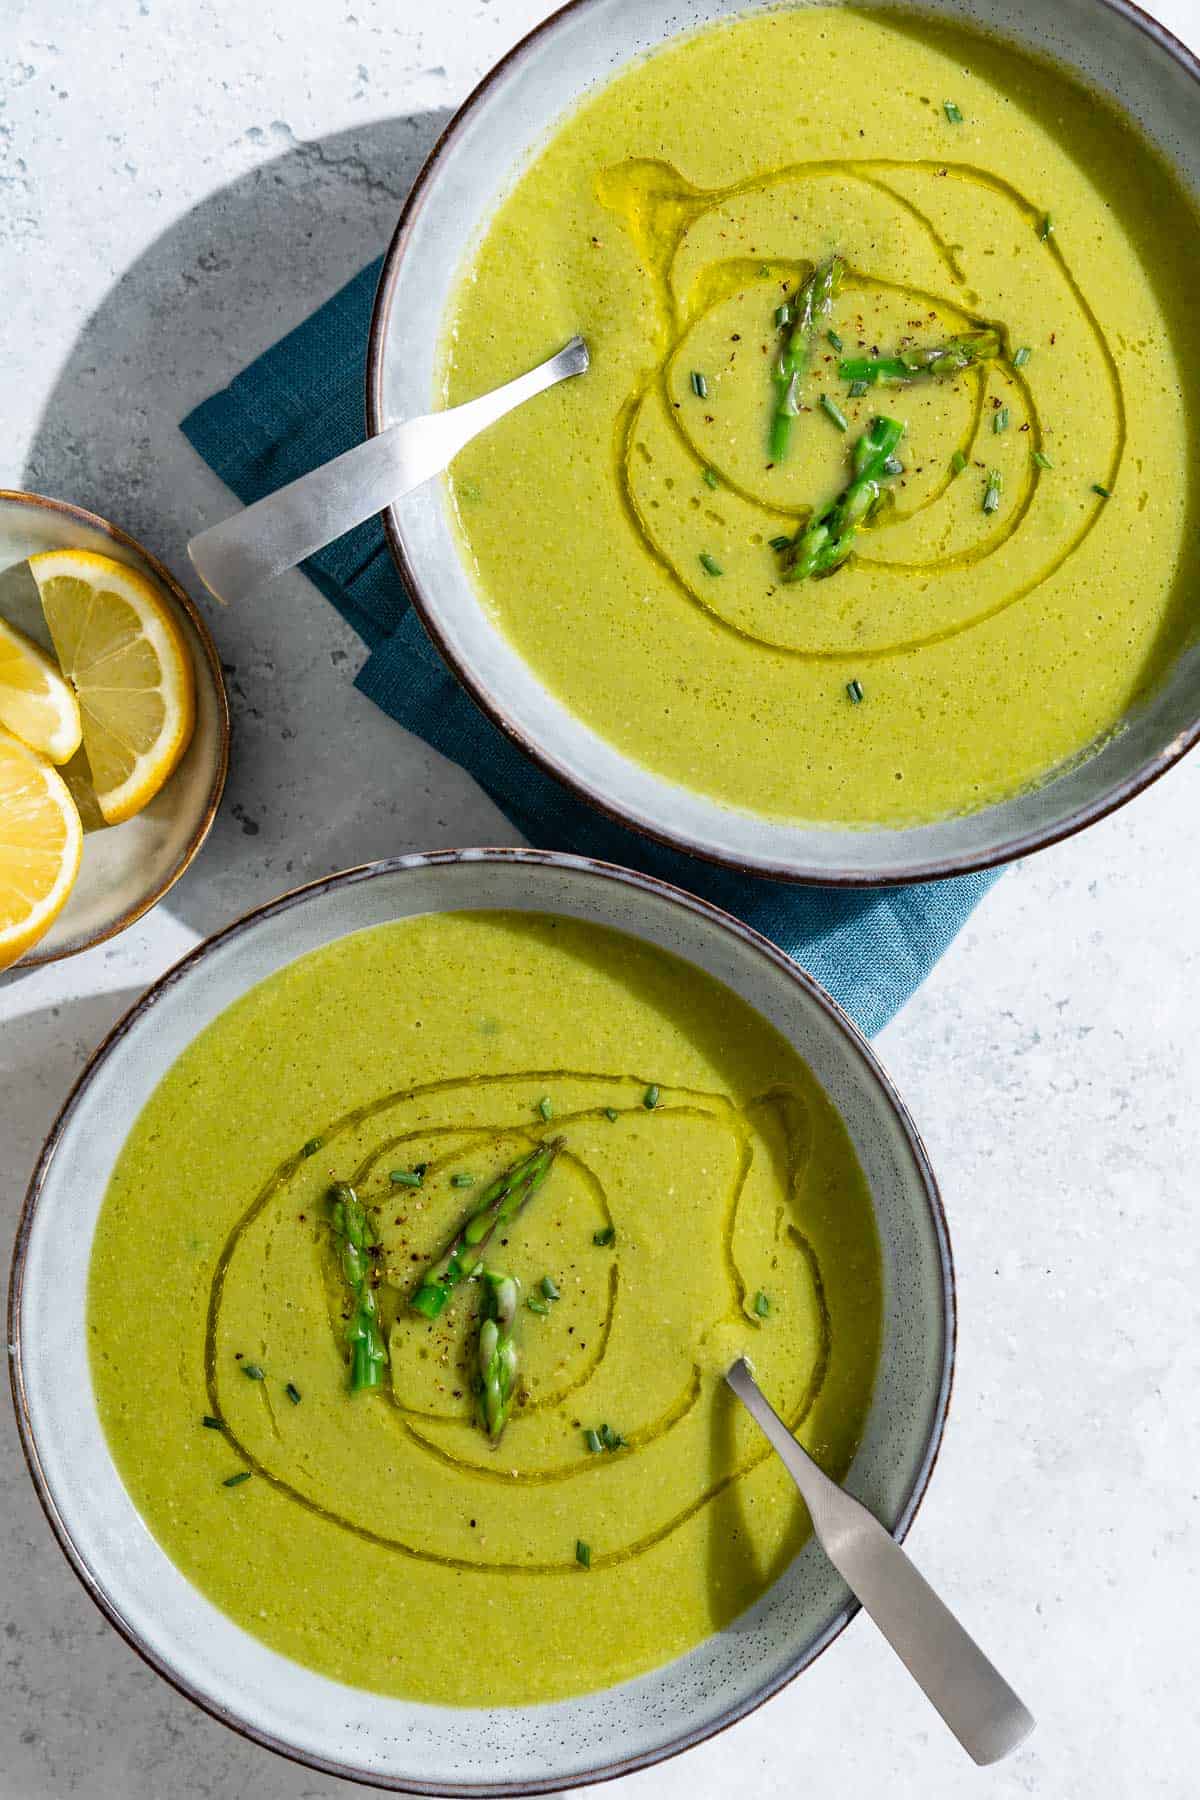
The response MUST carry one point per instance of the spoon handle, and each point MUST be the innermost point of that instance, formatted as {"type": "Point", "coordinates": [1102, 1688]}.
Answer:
{"type": "Point", "coordinates": [983, 1712]}
{"type": "Point", "coordinates": [280, 530]}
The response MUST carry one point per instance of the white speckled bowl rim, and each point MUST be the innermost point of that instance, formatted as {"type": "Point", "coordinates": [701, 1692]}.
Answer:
{"type": "Point", "coordinates": [127, 869]}
{"type": "Point", "coordinates": [394, 1743]}
{"type": "Point", "coordinates": [1116, 48]}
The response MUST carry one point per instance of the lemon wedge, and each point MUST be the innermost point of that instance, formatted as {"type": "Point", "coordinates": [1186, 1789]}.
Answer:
{"type": "Point", "coordinates": [35, 702]}
{"type": "Point", "coordinates": [41, 840]}
{"type": "Point", "coordinates": [121, 649]}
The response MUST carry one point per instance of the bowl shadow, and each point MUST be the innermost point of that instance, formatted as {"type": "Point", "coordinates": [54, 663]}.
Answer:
{"type": "Point", "coordinates": [319, 779]}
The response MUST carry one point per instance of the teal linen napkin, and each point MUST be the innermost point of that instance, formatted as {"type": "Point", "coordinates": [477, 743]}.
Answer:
{"type": "Point", "coordinates": [301, 403]}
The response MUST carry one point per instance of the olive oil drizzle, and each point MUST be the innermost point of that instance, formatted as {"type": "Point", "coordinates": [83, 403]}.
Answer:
{"type": "Point", "coordinates": [658, 206]}
{"type": "Point", "coordinates": [792, 1118]}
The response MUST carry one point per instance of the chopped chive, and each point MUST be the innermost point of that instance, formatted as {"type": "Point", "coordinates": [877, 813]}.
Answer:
{"type": "Point", "coordinates": [781, 543]}
{"type": "Point", "coordinates": [858, 389]}
{"type": "Point", "coordinates": [709, 564]}
{"type": "Point", "coordinates": [1104, 493]}
{"type": "Point", "coordinates": [213, 1424]}
{"type": "Point", "coordinates": [462, 1181]}
{"type": "Point", "coordinates": [253, 1372]}
{"type": "Point", "coordinates": [832, 410]}
{"type": "Point", "coordinates": [237, 1480]}
{"type": "Point", "coordinates": [854, 692]}
{"type": "Point", "coordinates": [1046, 228]}
{"type": "Point", "coordinates": [611, 1114]}
{"type": "Point", "coordinates": [699, 385]}
{"type": "Point", "coordinates": [835, 340]}
{"type": "Point", "coordinates": [783, 314]}
{"type": "Point", "coordinates": [605, 1236]}
{"type": "Point", "coordinates": [958, 463]}
{"type": "Point", "coordinates": [592, 1440]}
{"type": "Point", "coordinates": [405, 1178]}
{"type": "Point", "coordinates": [312, 1146]}
{"type": "Point", "coordinates": [952, 112]}
{"type": "Point", "coordinates": [583, 1554]}
{"type": "Point", "coordinates": [1042, 461]}
{"type": "Point", "coordinates": [549, 1288]}
{"type": "Point", "coordinates": [1000, 420]}
{"type": "Point", "coordinates": [762, 1305]}
{"type": "Point", "coordinates": [613, 1440]}
{"type": "Point", "coordinates": [991, 495]}
{"type": "Point", "coordinates": [536, 1304]}
{"type": "Point", "coordinates": [544, 1106]}
{"type": "Point", "coordinates": [650, 1097]}
{"type": "Point", "coordinates": [293, 1393]}
{"type": "Point", "coordinates": [710, 478]}
{"type": "Point", "coordinates": [1022, 356]}
{"type": "Point", "coordinates": [764, 268]}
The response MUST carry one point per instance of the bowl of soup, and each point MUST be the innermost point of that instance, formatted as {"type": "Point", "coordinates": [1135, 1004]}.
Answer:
{"type": "Point", "coordinates": [866, 549]}
{"type": "Point", "coordinates": [270, 1457]}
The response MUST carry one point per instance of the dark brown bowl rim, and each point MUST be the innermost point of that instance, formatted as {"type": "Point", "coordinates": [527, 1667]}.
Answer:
{"type": "Point", "coordinates": [930, 869]}
{"type": "Point", "coordinates": [37, 957]}
{"type": "Point", "coordinates": [561, 861]}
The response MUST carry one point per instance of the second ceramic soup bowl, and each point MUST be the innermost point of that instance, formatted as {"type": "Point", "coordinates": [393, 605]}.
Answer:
{"type": "Point", "coordinates": [422, 1747]}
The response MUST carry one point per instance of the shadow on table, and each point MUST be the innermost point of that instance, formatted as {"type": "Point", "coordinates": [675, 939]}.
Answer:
{"type": "Point", "coordinates": [41, 1053]}
{"type": "Point", "coordinates": [320, 779]}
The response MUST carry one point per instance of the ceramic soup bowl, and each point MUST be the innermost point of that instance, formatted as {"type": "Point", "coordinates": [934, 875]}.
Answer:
{"type": "Point", "coordinates": [393, 1743]}
{"type": "Point", "coordinates": [1113, 47]}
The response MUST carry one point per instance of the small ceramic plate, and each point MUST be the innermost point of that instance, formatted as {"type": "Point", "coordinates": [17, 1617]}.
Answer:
{"type": "Point", "coordinates": [393, 1743]}
{"type": "Point", "coordinates": [127, 868]}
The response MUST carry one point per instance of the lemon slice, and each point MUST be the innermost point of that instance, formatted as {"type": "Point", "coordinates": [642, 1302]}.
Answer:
{"type": "Point", "coordinates": [128, 662]}
{"type": "Point", "coordinates": [35, 702]}
{"type": "Point", "coordinates": [40, 844]}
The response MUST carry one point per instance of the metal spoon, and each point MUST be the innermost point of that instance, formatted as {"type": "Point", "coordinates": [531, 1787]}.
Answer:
{"type": "Point", "coordinates": [279, 531]}
{"type": "Point", "coordinates": [972, 1696]}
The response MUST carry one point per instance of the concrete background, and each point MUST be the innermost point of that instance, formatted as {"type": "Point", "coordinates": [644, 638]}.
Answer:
{"type": "Point", "coordinates": [178, 185]}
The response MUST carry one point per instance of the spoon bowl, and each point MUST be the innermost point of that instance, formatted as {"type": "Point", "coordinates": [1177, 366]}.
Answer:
{"type": "Point", "coordinates": [242, 553]}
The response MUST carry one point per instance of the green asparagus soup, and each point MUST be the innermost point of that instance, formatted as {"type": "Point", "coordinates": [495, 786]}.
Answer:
{"type": "Point", "coordinates": [775, 234]}
{"type": "Point", "coordinates": [413, 1289]}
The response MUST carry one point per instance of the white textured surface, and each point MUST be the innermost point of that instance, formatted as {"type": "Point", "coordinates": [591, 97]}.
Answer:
{"type": "Point", "coordinates": [181, 182]}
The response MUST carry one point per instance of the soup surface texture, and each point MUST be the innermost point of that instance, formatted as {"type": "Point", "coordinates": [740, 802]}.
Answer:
{"type": "Point", "coordinates": [1028, 569]}
{"type": "Point", "coordinates": [706, 1199]}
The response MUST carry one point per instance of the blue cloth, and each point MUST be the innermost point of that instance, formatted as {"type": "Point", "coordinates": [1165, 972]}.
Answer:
{"type": "Point", "coordinates": [303, 402]}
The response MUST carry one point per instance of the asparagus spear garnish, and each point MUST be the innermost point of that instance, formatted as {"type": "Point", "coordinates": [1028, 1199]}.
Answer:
{"type": "Point", "coordinates": [806, 318]}
{"type": "Point", "coordinates": [497, 1377]}
{"type": "Point", "coordinates": [946, 358]}
{"type": "Point", "coordinates": [356, 1237]}
{"type": "Point", "coordinates": [500, 1202]}
{"type": "Point", "coordinates": [823, 546]}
